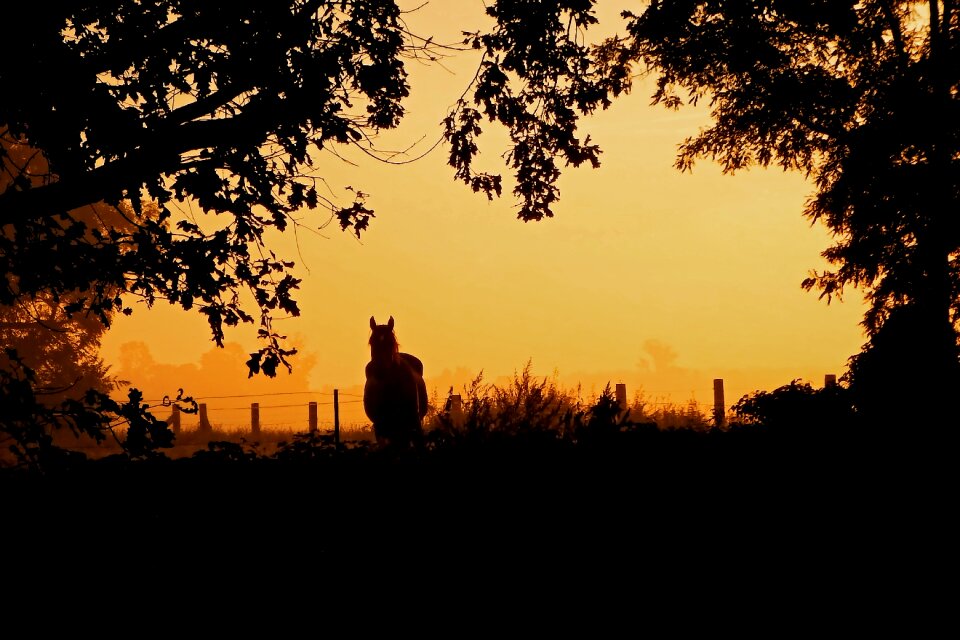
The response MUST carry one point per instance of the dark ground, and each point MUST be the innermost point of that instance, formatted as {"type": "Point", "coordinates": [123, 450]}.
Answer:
{"type": "Point", "coordinates": [678, 505]}
{"type": "Point", "coordinates": [599, 542]}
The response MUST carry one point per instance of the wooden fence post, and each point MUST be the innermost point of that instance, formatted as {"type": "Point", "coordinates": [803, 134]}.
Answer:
{"type": "Point", "coordinates": [255, 418]}
{"type": "Point", "coordinates": [313, 417]}
{"type": "Point", "coordinates": [719, 408]}
{"type": "Point", "coordinates": [174, 419]}
{"type": "Point", "coordinates": [622, 396]}
{"type": "Point", "coordinates": [454, 409]}
{"type": "Point", "coordinates": [336, 417]}
{"type": "Point", "coordinates": [204, 421]}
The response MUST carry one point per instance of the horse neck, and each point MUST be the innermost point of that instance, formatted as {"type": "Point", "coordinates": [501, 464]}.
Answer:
{"type": "Point", "coordinates": [384, 357]}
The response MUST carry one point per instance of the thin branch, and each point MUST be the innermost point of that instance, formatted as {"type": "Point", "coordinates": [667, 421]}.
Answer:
{"type": "Point", "coordinates": [896, 29]}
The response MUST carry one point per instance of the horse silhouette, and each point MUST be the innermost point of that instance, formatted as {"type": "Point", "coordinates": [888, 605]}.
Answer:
{"type": "Point", "coordinates": [395, 395]}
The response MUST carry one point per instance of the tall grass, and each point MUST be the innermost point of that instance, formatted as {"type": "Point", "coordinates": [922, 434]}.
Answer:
{"type": "Point", "coordinates": [528, 406]}
{"type": "Point", "coordinates": [524, 405]}
{"type": "Point", "coordinates": [669, 415]}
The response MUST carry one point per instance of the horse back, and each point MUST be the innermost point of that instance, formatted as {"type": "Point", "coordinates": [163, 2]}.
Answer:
{"type": "Point", "coordinates": [391, 391]}
{"type": "Point", "coordinates": [413, 362]}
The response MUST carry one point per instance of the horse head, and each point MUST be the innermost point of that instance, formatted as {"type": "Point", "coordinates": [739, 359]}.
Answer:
{"type": "Point", "coordinates": [383, 341]}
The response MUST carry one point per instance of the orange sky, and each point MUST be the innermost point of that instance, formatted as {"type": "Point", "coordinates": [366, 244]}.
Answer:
{"type": "Point", "coordinates": [661, 280]}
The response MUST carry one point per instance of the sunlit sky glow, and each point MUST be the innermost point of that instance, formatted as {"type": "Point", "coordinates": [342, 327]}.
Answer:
{"type": "Point", "coordinates": [659, 279]}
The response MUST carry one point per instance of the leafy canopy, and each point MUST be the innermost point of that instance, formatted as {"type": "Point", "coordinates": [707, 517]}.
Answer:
{"type": "Point", "coordinates": [863, 96]}
{"type": "Point", "coordinates": [221, 108]}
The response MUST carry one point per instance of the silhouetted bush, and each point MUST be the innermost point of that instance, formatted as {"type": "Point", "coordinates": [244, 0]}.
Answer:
{"type": "Point", "coordinates": [526, 409]}
{"type": "Point", "coordinates": [798, 409]}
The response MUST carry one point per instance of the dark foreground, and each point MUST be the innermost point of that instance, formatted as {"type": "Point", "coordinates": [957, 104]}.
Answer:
{"type": "Point", "coordinates": [683, 504]}
{"type": "Point", "coordinates": [769, 536]}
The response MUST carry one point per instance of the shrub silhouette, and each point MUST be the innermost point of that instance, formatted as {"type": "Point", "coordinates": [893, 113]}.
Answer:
{"type": "Point", "coordinates": [526, 409]}
{"type": "Point", "coordinates": [798, 409]}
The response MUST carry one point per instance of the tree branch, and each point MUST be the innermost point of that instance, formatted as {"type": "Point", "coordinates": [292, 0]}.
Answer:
{"type": "Point", "coordinates": [160, 152]}
{"type": "Point", "coordinates": [896, 28]}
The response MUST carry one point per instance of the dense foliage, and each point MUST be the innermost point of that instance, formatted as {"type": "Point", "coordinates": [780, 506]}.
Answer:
{"type": "Point", "coordinates": [864, 98]}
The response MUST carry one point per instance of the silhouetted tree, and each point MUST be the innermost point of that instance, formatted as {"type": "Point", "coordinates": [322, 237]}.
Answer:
{"type": "Point", "coordinates": [217, 108]}
{"type": "Point", "coordinates": [62, 350]}
{"type": "Point", "coordinates": [220, 107]}
{"type": "Point", "coordinates": [861, 96]}
{"type": "Point", "coordinates": [51, 373]}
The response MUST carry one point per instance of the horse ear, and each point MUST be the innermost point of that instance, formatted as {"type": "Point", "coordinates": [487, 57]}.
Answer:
{"type": "Point", "coordinates": [373, 323]}
{"type": "Point", "coordinates": [390, 322]}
